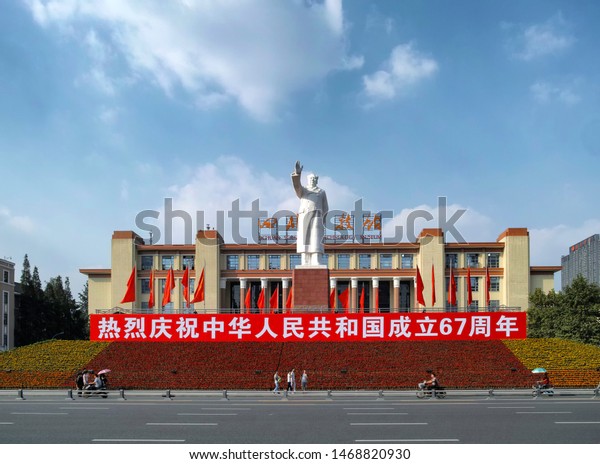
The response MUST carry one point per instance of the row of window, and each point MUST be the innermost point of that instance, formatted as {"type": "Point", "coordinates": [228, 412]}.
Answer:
{"type": "Point", "coordinates": [473, 260]}
{"type": "Point", "coordinates": [167, 262]}
{"type": "Point", "coordinates": [494, 283]}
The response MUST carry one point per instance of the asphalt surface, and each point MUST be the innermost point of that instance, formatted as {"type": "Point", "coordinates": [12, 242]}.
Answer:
{"type": "Point", "coordinates": [266, 418]}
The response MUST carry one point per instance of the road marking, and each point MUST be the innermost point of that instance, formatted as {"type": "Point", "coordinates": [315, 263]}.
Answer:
{"type": "Point", "coordinates": [590, 422]}
{"type": "Point", "coordinates": [543, 412]}
{"type": "Point", "coordinates": [7, 423]}
{"type": "Point", "coordinates": [145, 440]}
{"type": "Point", "coordinates": [40, 413]}
{"type": "Point", "coordinates": [207, 413]}
{"type": "Point", "coordinates": [511, 407]}
{"type": "Point", "coordinates": [388, 423]}
{"type": "Point", "coordinates": [377, 413]}
{"type": "Point", "coordinates": [411, 440]}
{"type": "Point", "coordinates": [226, 409]}
{"type": "Point", "coordinates": [181, 423]}
{"type": "Point", "coordinates": [369, 409]}
{"type": "Point", "coordinates": [83, 408]}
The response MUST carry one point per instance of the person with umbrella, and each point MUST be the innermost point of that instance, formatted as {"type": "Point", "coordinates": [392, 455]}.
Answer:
{"type": "Point", "coordinates": [544, 382]}
{"type": "Point", "coordinates": [103, 378]}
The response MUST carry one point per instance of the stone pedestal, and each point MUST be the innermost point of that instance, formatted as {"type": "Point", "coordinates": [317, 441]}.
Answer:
{"type": "Point", "coordinates": [311, 289]}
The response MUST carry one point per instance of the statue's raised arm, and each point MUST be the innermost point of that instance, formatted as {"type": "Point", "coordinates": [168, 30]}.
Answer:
{"type": "Point", "coordinates": [313, 208]}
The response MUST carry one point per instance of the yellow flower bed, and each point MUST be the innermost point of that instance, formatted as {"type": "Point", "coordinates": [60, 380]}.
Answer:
{"type": "Point", "coordinates": [51, 356]}
{"type": "Point", "coordinates": [555, 354]}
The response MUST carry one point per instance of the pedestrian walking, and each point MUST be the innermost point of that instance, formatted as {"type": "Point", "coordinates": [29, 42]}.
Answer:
{"type": "Point", "coordinates": [304, 381]}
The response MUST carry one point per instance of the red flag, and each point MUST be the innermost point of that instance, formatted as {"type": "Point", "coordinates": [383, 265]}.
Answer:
{"type": "Point", "coordinates": [260, 304]}
{"type": "Point", "coordinates": [432, 286]}
{"type": "Point", "coordinates": [185, 283]}
{"type": "Point", "coordinates": [469, 289]}
{"type": "Point", "coordinates": [420, 287]}
{"type": "Point", "coordinates": [169, 285]}
{"type": "Point", "coordinates": [151, 299]}
{"type": "Point", "coordinates": [452, 289]}
{"type": "Point", "coordinates": [344, 299]}
{"type": "Point", "coordinates": [332, 299]}
{"type": "Point", "coordinates": [288, 301]}
{"type": "Point", "coordinates": [488, 284]}
{"type": "Point", "coordinates": [199, 292]}
{"type": "Point", "coordinates": [248, 299]}
{"type": "Point", "coordinates": [130, 292]}
{"type": "Point", "coordinates": [274, 300]}
{"type": "Point", "coordinates": [362, 300]}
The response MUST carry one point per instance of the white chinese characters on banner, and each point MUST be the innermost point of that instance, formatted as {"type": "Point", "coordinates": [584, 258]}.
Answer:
{"type": "Point", "coordinates": [307, 327]}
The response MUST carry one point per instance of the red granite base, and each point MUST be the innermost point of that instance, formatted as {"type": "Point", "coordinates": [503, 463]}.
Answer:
{"type": "Point", "coordinates": [311, 289]}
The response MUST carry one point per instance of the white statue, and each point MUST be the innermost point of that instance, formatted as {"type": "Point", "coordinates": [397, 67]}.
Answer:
{"type": "Point", "coordinates": [311, 214]}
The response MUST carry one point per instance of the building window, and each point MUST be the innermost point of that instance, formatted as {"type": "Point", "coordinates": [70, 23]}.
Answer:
{"type": "Point", "coordinates": [6, 275]}
{"type": "Point", "coordinates": [294, 261]}
{"type": "Point", "coordinates": [474, 284]}
{"type": "Point", "coordinates": [188, 262]}
{"type": "Point", "coordinates": [494, 284]}
{"type": "Point", "coordinates": [494, 305]}
{"type": "Point", "coordinates": [166, 263]}
{"type": "Point", "coordinates": [253, 262]}
{"type": "Point", "coordinates": [407, 261]}
{"type": "Point", "coordinates": [147, 262]}
{"type": "Point", "coordinates": [274, 261]}
{"type": "Point", "coordinates": [451, 260]}
{"type": "Point", "coordinates": [472, 259]}
{"type": "Point", "coordinates": [145, 285]}
{"type": "Point", "coordinates": [233, 262]}
{"type": "Point", "coordinates": [325, 259]}
{"type": "Point", "coordinates": [474, 306]}
{"type": "Point", "coordinates": [364, 261]}
{"type": "Point", "coordinates": [343, 261]}
{"type": "Point", "coordinates": [385, 261]}
{"type": "Point", "coordinates": [493, 260]}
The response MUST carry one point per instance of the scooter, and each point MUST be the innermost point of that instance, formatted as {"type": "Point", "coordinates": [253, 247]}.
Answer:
{"type": "Point", "coordinates": [540, 390]}
{"type": "Point", "coordinates": [437, 392]}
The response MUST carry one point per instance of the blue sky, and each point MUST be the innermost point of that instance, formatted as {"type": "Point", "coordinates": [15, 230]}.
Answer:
{"type": "Point", "coordinates": [109, 107]}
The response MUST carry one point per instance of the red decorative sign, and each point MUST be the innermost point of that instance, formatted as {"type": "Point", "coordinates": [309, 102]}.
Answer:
{"type": "Point", "coordinates": [307, 327]}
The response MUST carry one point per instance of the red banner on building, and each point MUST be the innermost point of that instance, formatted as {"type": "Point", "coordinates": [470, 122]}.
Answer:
{"type": "Point", "coordinates": [307, 327]}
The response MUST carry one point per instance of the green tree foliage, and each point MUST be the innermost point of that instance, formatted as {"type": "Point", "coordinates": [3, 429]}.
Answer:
{"type": "Point", "coordinates": [573, 314]}
{"type": "Point", "coordinates": [49, 312]}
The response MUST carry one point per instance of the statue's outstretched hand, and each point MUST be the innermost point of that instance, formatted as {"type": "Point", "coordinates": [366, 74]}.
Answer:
{"type": "Point", "coordinates": [298, 168]}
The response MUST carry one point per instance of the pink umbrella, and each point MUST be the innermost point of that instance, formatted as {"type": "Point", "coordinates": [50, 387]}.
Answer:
{"type": "Point", "coordinates": [104, 371]}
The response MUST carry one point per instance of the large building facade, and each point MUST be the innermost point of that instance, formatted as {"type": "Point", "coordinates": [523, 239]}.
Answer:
{"type": "Point", "coordinates": [583, 259]}
{"type": "Point", "coordinates": [381, 275]}
{"type": "Point", "coordinates": [7, 308]}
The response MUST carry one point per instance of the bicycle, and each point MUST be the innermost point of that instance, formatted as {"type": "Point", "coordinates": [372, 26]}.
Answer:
{"type": "Point", "coordinates": [436, 392]}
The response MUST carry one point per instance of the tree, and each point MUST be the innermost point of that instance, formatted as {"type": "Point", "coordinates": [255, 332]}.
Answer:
{"type": "Point", "coordinates": [572, 314]}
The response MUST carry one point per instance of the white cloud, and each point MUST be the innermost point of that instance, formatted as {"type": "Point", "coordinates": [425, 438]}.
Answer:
{"type": "Point", "coordinates": [539, 40]}
{"type": "Point", "coordinates": [251, 51]}
{"type": "Point", "coordinates": [217, 185]}
{"type": "Point", "coordinates": [405, 68]}
{"type": "Point", "coordinates": [19, 223]}
{"type": "Point", "coordinates": [550, 243]}
{"type": "Point", "coordinates": [544, 92]}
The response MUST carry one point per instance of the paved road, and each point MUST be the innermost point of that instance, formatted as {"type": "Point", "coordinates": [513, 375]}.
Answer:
{"type": "Point", "coordinates": [311, 418]}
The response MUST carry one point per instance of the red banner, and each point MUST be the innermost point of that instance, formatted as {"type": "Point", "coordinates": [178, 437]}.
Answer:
{"type": "Point", "coordinates": [307, 327]}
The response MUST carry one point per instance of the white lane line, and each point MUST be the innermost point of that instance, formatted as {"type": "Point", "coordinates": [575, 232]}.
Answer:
{"type": "Point", "coordinates": [181, 423]}
{"type": "Point", "coordinates": [377, 413]}
{"type": "Point", "coordinates": [137, 440]}
{"type": "Point", "coordinates": [543, 412]}
{"type": "Point", "coordinates": [226, 409]}
{"type": "Point", "coordinates": [388, 423]}
{"type": "Point", "coordinates": [511, 407]}
{"type": "Point", "coordinates": [82, 408]}
{"type": "Point", "coordinates": [207, 413]}
{"type": "Point", "coordinates": [7, 423]}
{"type": "Point", "coordinates": [369, 409]}
{"type": "Point", "coordinates": [590, 422]}
{"type": "Point", "coordinates": [409, 440]}
{"type": "Point", "coordinates": [40, 413]}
